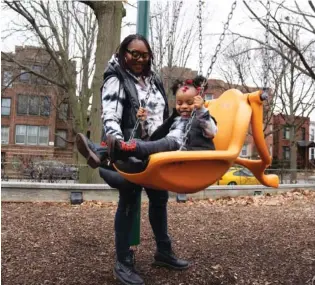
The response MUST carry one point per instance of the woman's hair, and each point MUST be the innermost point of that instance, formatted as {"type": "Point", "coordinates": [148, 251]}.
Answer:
{"type": "Point", "coordinates": [122, 49]}
{"type": "Point", "coordinates": [196, 82]}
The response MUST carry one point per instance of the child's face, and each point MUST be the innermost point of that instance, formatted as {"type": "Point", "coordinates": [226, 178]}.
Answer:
{"type": "Point", "coordinates": [185, 101]}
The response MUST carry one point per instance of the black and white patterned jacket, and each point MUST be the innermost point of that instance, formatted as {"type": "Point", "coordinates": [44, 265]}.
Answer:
{"type": "Point", "coordinates": [121, 98]}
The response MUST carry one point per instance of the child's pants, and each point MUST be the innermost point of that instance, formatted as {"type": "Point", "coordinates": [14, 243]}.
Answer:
{"type": "Point", "coordinates": [146, 148]}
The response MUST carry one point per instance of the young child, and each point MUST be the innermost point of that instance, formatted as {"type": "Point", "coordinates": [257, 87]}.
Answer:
{"type": "Point", "coordinates": [200, 136]}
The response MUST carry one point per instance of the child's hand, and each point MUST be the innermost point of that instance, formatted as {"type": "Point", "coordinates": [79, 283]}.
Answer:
{"type": "Point", "coordinates": [198, 102]}
{"type": "Point", "coordinates": [142, 114]}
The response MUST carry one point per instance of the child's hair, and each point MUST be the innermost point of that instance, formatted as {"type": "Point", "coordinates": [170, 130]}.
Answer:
{"type": "Point", "coordinates": [196, 82]}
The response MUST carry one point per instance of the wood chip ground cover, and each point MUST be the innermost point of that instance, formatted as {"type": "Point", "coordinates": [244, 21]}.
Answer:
{"type": "Point", "coordinates": [259, 240]}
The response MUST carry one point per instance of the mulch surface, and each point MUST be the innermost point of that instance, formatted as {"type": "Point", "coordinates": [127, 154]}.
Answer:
{"type": "Point", "coordinates": [257, 240]}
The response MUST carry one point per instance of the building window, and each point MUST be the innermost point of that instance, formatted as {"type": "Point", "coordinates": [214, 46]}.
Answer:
{"type": "Point", "coordinates": [43, 135]}
{"type": "Point", "coordinates": [312, 136]}
{"type": "Point", "coordinates": [244, 150]}
{"type": "Point", "coordinates": [25, 76]}
{"type": "Point", "coordinates": [61, 136]}
{"type": "Point", "coordinates": [209, 97]}
{"type": "Point", "coordinates": [7, 79]}
{"type": "Point", "coordinates": [286, 153]}
{"type": "Point", "coordinates": [4, 135]}
{"type": "Point", "coordinates": [31, 135]}
{"type": "Point", "coordinates": [312, 153]}
{"type": "Point", "coordinates": [20, 134]}
{"type": "Point", "coordinates": [37, 68]}
{"type": "Point", "coordinates": [63, 111]}
{"type": "Point", "coordinates": [44, 105]}
{"type": "Point", "coordinates": [303, 134]}
{"type": "Point", "coordinates": [286, 133]}
{"type": "Point", "coordinates": [5, 106]}
{"type": "Point", "coordinates": [33, 105]}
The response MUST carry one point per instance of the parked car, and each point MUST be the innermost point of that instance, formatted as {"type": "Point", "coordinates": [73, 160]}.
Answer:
{"type": "Point", "coordinates": [238, 176]}
{"type": "Point", "coordinates": [51, 170]}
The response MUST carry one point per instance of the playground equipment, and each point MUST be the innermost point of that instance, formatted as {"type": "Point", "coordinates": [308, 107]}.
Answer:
{"type": "Point", "coordinates": [192, 171]}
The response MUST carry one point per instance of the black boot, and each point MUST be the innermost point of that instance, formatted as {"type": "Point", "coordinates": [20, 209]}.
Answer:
{"type": "Point", "coordinates": [120, 150]}
{"type": "Point", "coordinates": [165, 257]}
{"type": "Point", "coordinates": [124, 270]}
{"type": "Point", "coordinates": [88, 149]}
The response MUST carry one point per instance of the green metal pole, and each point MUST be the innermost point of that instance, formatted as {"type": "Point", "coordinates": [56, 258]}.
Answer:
{"type": "Point", "coordinates": [143, 11]}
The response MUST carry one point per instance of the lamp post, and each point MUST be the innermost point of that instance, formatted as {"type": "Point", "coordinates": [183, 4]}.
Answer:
{"type": "Point", "coordinates": [143, 11]}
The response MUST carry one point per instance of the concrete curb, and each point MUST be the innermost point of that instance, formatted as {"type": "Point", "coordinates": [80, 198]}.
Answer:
{"type": "Point", "coordinates": [60, 192]}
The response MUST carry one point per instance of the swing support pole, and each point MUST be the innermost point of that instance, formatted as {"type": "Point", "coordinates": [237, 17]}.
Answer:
{"type": "Point", "coordinates": [143, 11]}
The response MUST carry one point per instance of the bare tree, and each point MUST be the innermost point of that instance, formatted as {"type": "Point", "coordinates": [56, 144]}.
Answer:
{"type": "Point", "coordinates": [67, 31]}
{"type": "Point", "coordinates": [172, 40]}
{"type": "Point", "coordinates": [282, 17]}
{"type": "Point", "coordinates": [293, 92]}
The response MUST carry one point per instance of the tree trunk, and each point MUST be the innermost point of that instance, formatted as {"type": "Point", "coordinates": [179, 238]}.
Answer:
{"type": "Point", "coordinates": [109, 16]}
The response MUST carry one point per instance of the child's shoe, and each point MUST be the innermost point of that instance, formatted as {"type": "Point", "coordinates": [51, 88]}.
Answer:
{"type": "Point", "coordinates": [118, 149]}
{"type": "Point", "coordinates": [87, 149]}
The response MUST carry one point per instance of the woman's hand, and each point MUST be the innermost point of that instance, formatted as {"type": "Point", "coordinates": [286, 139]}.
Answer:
{"type": "Point", "coordinates": [142, 114]}
{"type": "Point", "coordinates": [198, 102]}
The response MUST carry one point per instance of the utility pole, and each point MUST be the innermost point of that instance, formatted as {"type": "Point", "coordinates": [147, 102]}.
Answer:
{"type": "Point", "coordinates": [143, 10]}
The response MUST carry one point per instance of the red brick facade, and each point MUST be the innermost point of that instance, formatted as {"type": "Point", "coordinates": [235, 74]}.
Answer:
{"type": "Point", "coordinates": [39, 91]}
{"type": "Point", "coordinates": [282, 143]}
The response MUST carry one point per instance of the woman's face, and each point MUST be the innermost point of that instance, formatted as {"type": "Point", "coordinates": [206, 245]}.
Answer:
{"type": "Point", "coordinates": [137, 56]}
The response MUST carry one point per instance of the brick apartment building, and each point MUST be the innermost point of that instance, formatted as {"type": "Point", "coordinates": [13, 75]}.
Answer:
{"type": "Point", "coordinates": [35, 115]}
{"type": "Point", "coordinates": [304, 141]}
{"type": "Point", "coordinates": [312, 139]}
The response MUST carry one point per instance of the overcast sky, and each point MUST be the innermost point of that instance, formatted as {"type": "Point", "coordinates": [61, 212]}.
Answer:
{"type": "Point", "coordinates": [215, 12]}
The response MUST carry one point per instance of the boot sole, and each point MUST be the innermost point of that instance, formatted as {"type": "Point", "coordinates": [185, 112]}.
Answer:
{"type": "Point", "coordinates": [167, 265]}
{"type": "Point", "coordinates": [82, 146]}
{"type": "Point", "coordinates": [123, 281]}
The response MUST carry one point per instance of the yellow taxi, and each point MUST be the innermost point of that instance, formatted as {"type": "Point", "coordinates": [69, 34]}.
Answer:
{"type": "Point", "coordinates": [238, 176]}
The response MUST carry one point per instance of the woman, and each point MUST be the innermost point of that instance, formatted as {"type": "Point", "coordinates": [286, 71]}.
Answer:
{"type": "Point", "coordinates": [127, 80]}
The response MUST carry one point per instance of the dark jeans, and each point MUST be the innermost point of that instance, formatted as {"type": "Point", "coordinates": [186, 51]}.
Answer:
{"type": "Point", "coordinates": [146, 148]}
{"type": "Point", "coordinates": [125, 213]}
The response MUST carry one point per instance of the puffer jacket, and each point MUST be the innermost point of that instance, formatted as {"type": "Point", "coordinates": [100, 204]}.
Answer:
{"type": "Point", "coordinates": [131, 104]}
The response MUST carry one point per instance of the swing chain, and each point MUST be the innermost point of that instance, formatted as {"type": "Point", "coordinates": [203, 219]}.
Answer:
{"type": "Point", "coordinates": [218, 47]}
{"type": "Point", "coordinates": [266, 54]}
{"type": "Point", "coordinates": [176, 15]}
{"type": "Point", "coordinates": [200, 37]}
{"type": "Point", "coordinates": [213, 60]}
{"type": "Point", "coordinates": [151, 82]}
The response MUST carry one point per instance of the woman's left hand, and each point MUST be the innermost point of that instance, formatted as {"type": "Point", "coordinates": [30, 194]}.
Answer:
{"type": "Point", "coordinates": [142, 114]}
{"type": "Point", "coordinates": [198, 102]}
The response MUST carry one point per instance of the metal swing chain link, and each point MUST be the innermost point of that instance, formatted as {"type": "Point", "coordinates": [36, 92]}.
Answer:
{"type": "Point", "coordinates": [200, 37]}
{"type": "Point", "coordinates": [213, 60]}
{"type": "Point", "coordinates": [176, 15]}
{"type": "Point", "coordinates": [266, 53]}
{"type": "Point", "coordinates": [151, 82]}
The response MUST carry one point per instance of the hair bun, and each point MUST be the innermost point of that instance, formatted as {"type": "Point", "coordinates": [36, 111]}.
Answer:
{"type": "Point", "coordinates": [189, 81]}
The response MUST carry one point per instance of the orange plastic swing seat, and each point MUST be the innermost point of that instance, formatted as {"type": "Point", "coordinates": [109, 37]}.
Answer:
{"type": "Point", "coordinates": [193, 171]}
